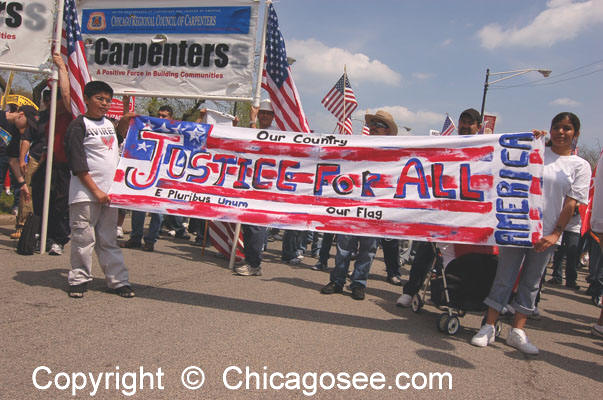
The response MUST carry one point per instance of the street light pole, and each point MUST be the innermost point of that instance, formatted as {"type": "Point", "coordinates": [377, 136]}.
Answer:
{"type": "Point", "coordinates": [507, 75]}
{"type": "Point", "coordinates": [481, 114]}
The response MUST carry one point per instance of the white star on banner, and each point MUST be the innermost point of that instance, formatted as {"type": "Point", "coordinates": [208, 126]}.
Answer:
{"type": "Point", "coordinates": [196, 134]}
{"type": "Point", "coordinates": [142, 146]}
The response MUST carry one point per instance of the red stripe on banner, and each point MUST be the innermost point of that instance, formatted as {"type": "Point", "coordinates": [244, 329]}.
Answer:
{"type": "Point", "coordinates": [535, 214]}
{"type": "Point", "coordinates": [119, 175]}
{"type": "Point", "coordinates": [264, 148]}
{"type": "Point", "coordinates": [433, 154]}
{"type": "Point", "coordinates": [536, 187]}
{"type": "Point", "coordinates": [326, 222]}
{"type": "Point", "coordinates": [350, 153]}
{"type": "Point", "coordinates": [536, 157]}
{"type": "Point", "coordinates": [448, 205]}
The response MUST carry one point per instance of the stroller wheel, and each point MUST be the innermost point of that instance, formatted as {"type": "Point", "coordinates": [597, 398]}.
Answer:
{"type": "Point", "coordinates": [453, 325]}
{"type": "Point", "coordinates": [417, 303]}
{"type": "Point", "coordinates": [442, 322]}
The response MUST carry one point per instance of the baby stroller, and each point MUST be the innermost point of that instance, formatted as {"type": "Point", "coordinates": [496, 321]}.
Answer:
{"type": "Point", "coordinates": [461, 287]}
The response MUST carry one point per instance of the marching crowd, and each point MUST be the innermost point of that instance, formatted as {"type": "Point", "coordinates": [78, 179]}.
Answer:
{"type": "Point", "coordinates": [86, 153]}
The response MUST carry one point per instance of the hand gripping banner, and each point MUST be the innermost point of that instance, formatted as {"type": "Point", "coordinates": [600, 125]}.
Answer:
{"type": "Point", "coordinates": [482, 189]}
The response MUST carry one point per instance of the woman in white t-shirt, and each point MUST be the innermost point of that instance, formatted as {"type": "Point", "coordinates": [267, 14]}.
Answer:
{"type": "Point", "coordinates": [566, 179]}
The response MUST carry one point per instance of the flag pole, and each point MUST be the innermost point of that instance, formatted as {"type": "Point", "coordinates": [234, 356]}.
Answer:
{"type": "Point", "coordinates": [235, 243]}
{"type": "Point", "coordinates": [51, 128]}
{"type": "Point", "coordinates": [7, 89]}
{"type": "Point", "coordinates": [258, 87]}
{"type": "Point", "coordinates": [345, 79]}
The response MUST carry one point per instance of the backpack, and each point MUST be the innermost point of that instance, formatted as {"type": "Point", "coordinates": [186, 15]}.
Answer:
{"type": "Point", "coordinates": [28, 242]}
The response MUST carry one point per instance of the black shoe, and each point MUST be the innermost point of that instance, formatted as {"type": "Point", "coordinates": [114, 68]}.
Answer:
{"type": "Point", "coordinates": [358, 292]}
{"type": "Point", "coordinates": [331, 288]}
{"type": "Point", "coordinates": [131, 244]}
{"type": "Point", "coordinates": [148, 247]}
{"type": "Point", "coordinates": [394, 280]}
{"type": "Point", "coordinates": [183, 235]}
{"type": "Point", "coordinates": [554, 281]}
{"type": "Point", "coordinates": [77, 291]}
{"type": "Point", "coordinates": [572, 285]}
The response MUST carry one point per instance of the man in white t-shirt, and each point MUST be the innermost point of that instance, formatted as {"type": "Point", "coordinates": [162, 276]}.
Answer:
{"type": "Point", "coordinates": [92, 154]}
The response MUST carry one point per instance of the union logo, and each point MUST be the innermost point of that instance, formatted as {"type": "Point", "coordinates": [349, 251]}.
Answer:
{"type": "Point", "coordinates": [97, 21]}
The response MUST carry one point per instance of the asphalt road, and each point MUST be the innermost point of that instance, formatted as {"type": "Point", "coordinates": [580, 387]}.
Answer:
{"type": "Point", "coordinates": [191, 311]}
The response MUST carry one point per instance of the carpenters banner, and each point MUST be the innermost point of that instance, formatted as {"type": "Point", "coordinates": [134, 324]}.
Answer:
{"type": "Point", "coordinates": [26, 32]}
{"type": "Point", "coordinates": [482, 189]}
{"type": "Point", "coordinates": [177, 48]}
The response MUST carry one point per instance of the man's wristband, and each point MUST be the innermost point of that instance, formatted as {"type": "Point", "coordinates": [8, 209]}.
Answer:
{"type": "Point", "coordinates": [20, 184]}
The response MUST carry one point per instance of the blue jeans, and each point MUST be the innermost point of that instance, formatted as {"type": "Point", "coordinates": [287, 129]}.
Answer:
{"type": "Point", "coordinates": [391, 256]}
{"type": "Point", "coordinates": [138, 226]}
{"type": "Point", "coordinates": [569, 250]}
{"type": "Point", "coordinates": [325, 247]}
{"type": "Point", "coordinates": [510, 260]}
{"type": "Point", "coordinates": [292, 244]}
{"type": "Point", "coordinates": [253, 241]}
{"type": "Point", "coordinates": [346, 245]}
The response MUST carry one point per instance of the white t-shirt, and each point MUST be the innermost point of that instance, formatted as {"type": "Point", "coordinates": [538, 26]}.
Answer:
{"type": "Point", "coordinates": [563, 176]}
{"type": "Point", "coordinates": [596, 219]}
{"type": "Point", "coordinates": [91, 146]}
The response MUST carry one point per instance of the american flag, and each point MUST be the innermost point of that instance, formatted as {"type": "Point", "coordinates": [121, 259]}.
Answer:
{"type": "Point", "coordinates": [221, 234]}
{"type": "Point", "coordinates": [72, 48]}
{"type": "Point", "coordinates": [366, 130]}
{"type": "Point", "coordinates": [345, 128]}
{"type": "Point", "coordinates": [448, 127]}
{"type": "Point", "coordinates": [278, 81]}
{"type": "Point", "coordinates": [334, 100]}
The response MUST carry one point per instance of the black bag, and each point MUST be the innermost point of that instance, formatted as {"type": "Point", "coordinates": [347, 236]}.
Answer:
{"type": "Point", "coordinates": [28, 242]}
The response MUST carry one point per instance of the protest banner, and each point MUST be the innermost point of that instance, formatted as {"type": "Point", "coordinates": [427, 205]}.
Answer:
{"type": "Point", "coordinates": [190, 49]}
{"type": "Point", "coordinates": [482, 189]}
{"type": "Point", "coordinates": [26, 34]}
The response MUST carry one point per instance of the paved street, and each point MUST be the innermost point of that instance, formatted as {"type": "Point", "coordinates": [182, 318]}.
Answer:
{"type": "Point", "coordinates": [191, 311]}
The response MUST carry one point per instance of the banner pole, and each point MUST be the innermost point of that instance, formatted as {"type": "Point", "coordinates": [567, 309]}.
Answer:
{"type": "Point", "coordinates": [345, 79]}
{"type": "Point", "coordinates": [51, 126]}
{"type": "Point", "coordinates": [7, 89]}
{"type": "Point", "coordinates": [258, 88]}
{"type": "Point", "coordinates": [235, 243]}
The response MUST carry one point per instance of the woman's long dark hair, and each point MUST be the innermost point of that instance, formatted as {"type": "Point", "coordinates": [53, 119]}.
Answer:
{"type": "Point", "coordinates": [574, 120]}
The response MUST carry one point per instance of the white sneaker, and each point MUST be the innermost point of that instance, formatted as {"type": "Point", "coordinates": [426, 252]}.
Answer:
{"type": "Point", "coordinates": [120, 232]}
{"type": "Point", "coordinates": [172, 233]}
{"type": "Point", "coordinates": [485, 336]}
{"type": "Point", "coordinates": [56, 250]}
{"type": "Point", "coordinates": [404, 300]}
{"type": "Point", "coordinates": [246, 270]}
{"type": "Point", "coordinates": [518, 339]}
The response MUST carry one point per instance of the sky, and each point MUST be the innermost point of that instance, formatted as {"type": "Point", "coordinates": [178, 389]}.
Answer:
{"type": "Point", "coordinates": [419, 60]}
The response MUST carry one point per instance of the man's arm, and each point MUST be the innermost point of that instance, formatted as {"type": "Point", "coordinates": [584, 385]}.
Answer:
{"type": "Point", "coordinates": [569, 206]}
{"type": "Point", "coordinates": [13, 163]}
{"type": "Point", "coordinates": [124, 124]}
{"type": "Point", "coordinates": [25, 145]}
{"type": "Point", "coordinates": [253, 114]}
{"type": "Point", "coordinates": [89, 183]}
{"type": "Point", "coordinates": [63, 80]}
